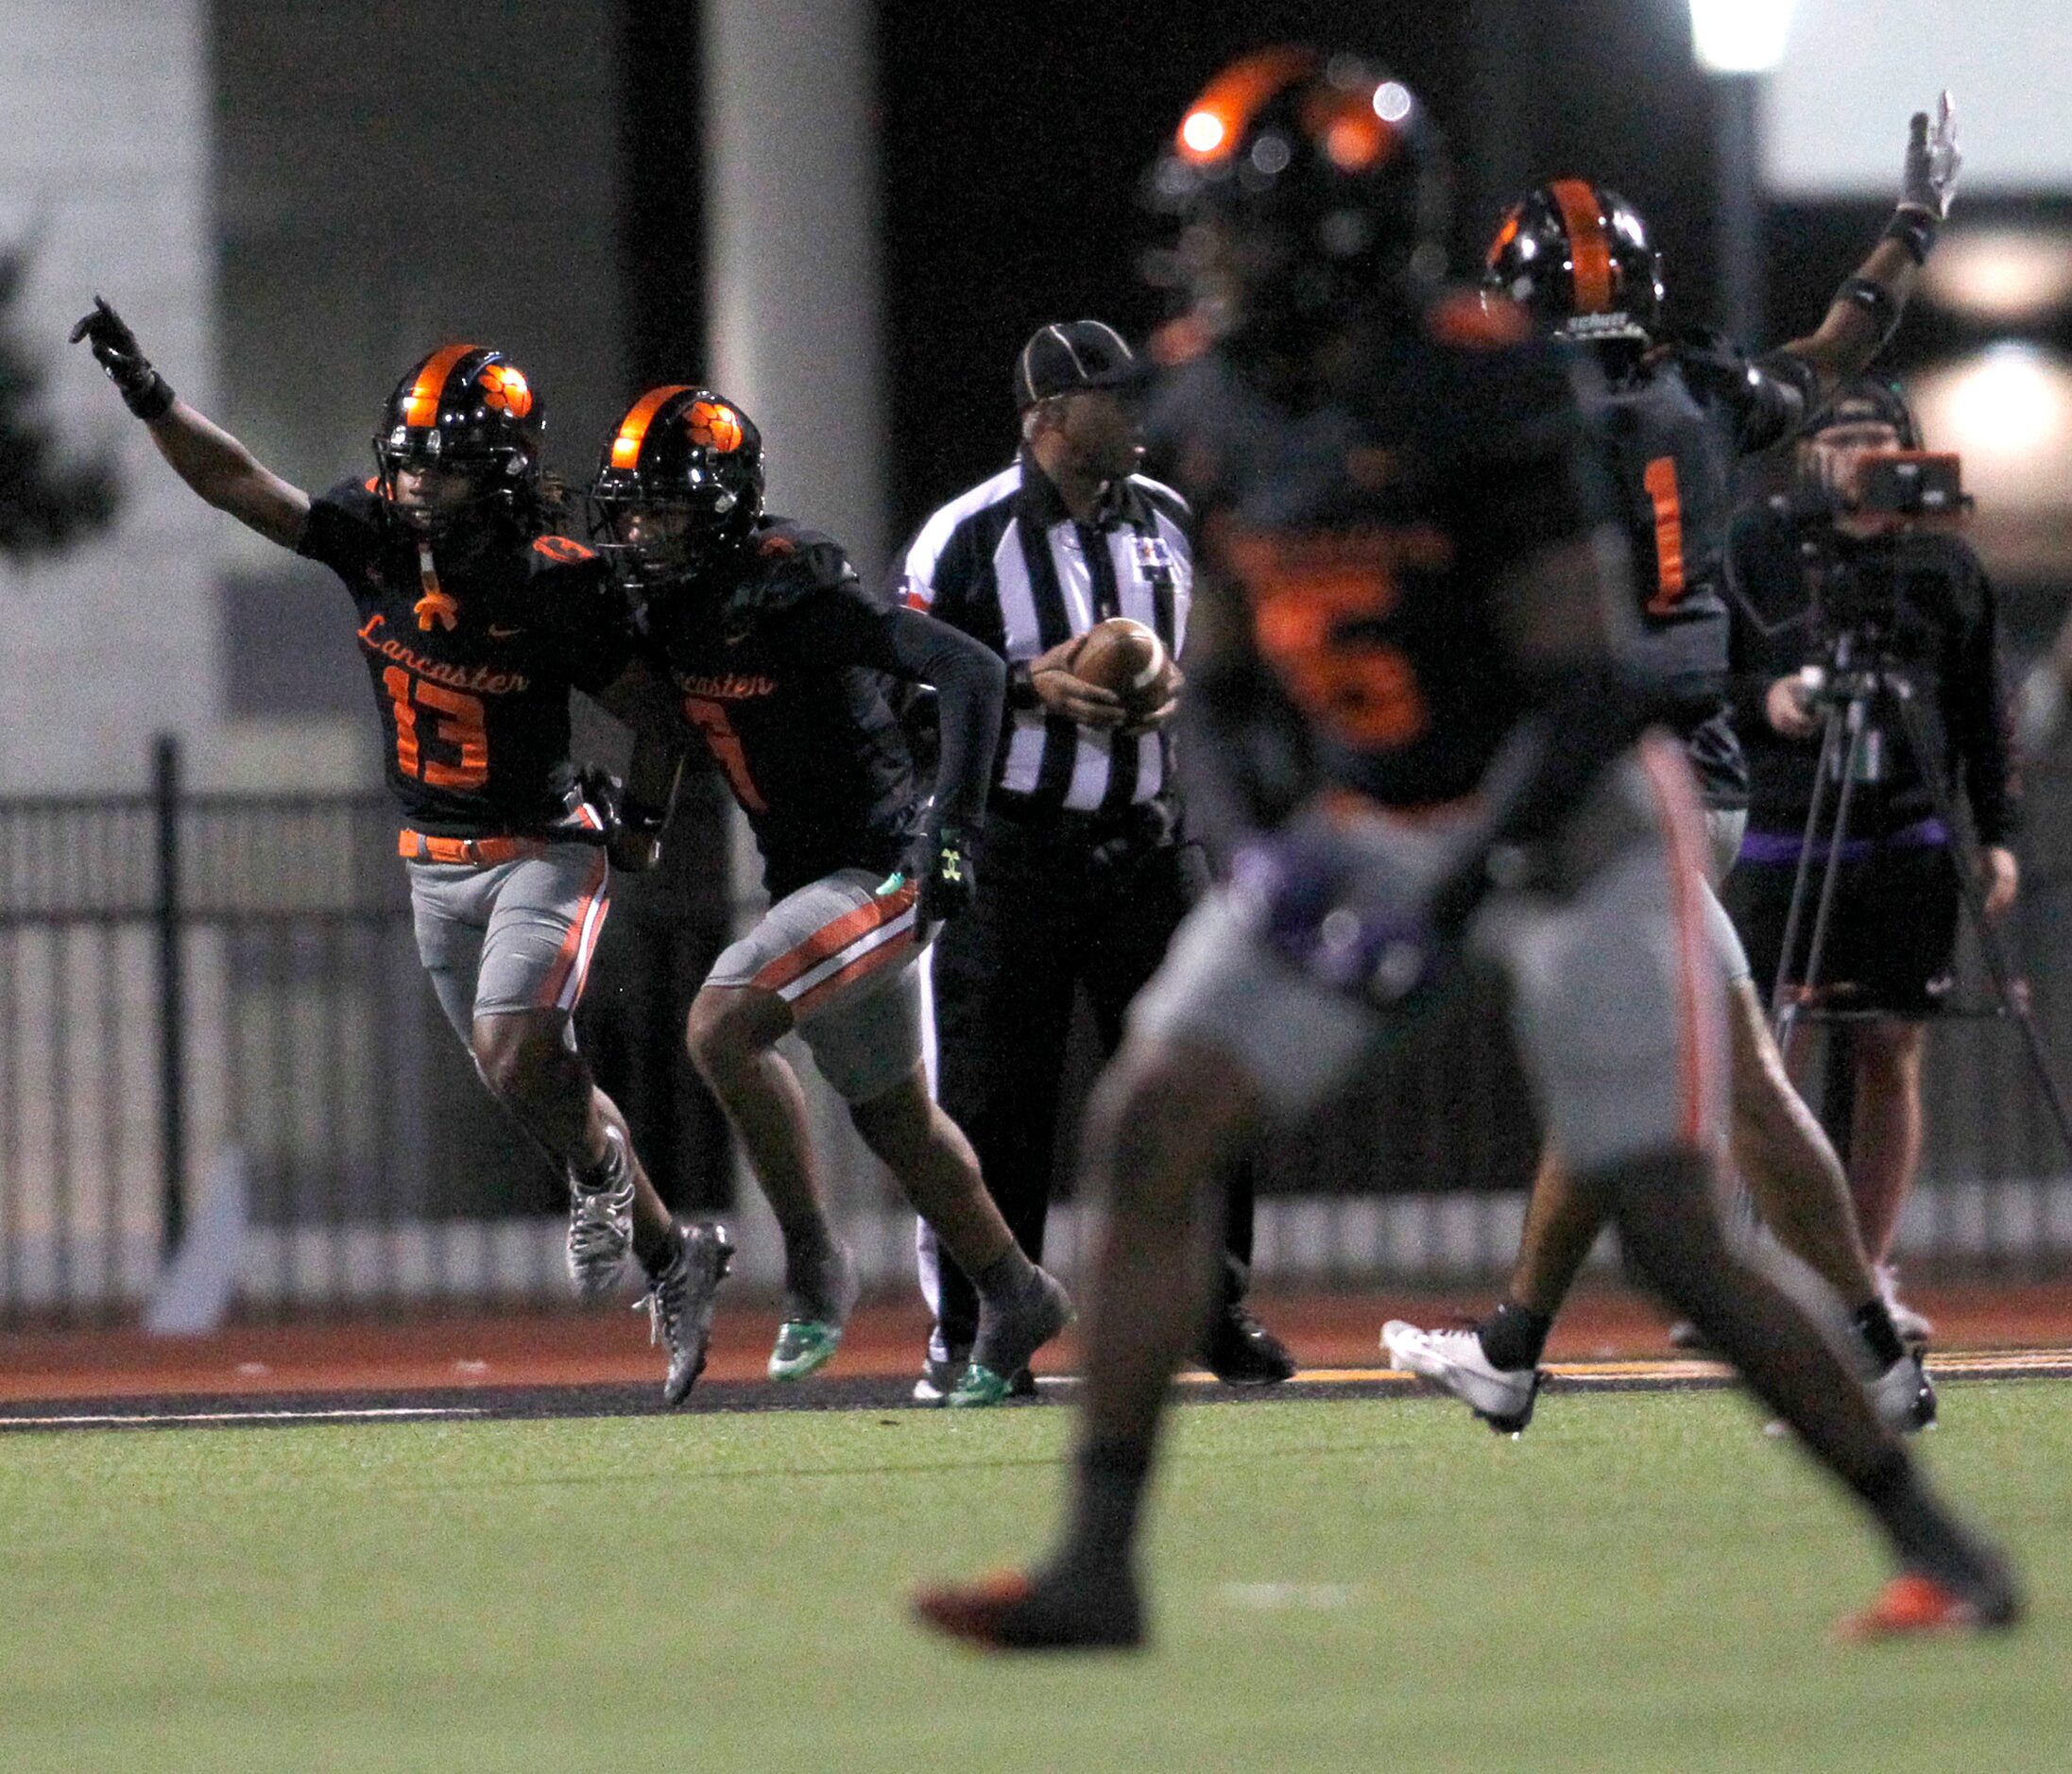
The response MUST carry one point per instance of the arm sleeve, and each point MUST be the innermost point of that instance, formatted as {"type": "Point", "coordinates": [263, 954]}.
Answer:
{"type": "Point", "coordinates": [969, 682]}
{"type": "Point", "coordinates": [1783, 393]}
{"type": "Point", "coordinates": [1975, 708]}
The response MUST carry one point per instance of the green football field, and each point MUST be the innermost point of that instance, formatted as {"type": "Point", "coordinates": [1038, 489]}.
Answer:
{"type": "Point", "coordinates": [1644, 1581]}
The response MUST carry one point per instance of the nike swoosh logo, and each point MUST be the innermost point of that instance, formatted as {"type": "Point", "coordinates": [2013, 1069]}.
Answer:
{"type": "Point", "coordinates": [503, 634]}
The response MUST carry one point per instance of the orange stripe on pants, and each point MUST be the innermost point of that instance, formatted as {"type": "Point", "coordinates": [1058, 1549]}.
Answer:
{"type": "Point", "coordinates": [1668, 777]}
{"type": "Point", "coordinates": [830, 939]}
{"type": "Point", "coordinates": [572, 952]}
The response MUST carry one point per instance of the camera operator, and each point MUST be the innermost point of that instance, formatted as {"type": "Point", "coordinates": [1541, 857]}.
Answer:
{"type": "Point", "coordinates": [1831, 581]}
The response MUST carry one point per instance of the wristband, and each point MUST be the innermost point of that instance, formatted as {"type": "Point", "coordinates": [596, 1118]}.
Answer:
{"type": "Point", "coordinates": [150, 398]}
{"type": "Point", "coordinates": [1914, 229]}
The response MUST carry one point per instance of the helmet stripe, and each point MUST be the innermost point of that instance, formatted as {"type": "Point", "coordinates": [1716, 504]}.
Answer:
{"type": "Point", "coordinates": [421, 407]}
{"type": "Point", "coordinates": [625, 447]}
{"type": "Point", "coordinates": [1589, 250]}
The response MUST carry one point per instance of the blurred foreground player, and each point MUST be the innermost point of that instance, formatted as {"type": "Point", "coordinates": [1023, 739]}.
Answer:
{"type": "Point", "coordinates": [476, 625]}
{"type": "Point", "coordinates": [1673, 418]}
{"type": "Point", "coordinates": [1413, 717]}
{"type": "Point", "coordinates": [763, 645]}
{"type": "Point", "coordinates": [1087, 869]}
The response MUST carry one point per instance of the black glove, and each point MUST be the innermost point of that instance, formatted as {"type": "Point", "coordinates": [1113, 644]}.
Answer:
{"type": "Point", "coordinates": [631, 835]}
{"type": "Point", "coordinates": [940, 866]}
{"type": "Point", "coordinates": [144, 391]}
{"type": "Point", "coordinates": [1712, 368]}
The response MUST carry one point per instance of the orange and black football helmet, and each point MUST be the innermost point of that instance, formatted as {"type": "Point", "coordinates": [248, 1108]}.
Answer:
{"type": "Point", "coordinates": [681, 482]}
{"type": "Point", "coordinates": [469, 408]}
{"type": "Point", "coordinates": [1577, 256]}
{"type": "Point", "coordinates": [1308, 187]}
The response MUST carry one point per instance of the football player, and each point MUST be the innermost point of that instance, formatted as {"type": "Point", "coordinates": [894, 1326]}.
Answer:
{"type": "Point", "coordinates": [1415, 728]}
{"type": "Point", "coordinates": [772, 657]}
{"type": "Point", "coordinates": [474, 625]}
{"type": "Point", "coordinates": [1672, 418]}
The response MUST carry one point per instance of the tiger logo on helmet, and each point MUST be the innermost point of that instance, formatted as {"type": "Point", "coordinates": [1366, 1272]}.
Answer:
{"type": "Point", "coordinates": [681, 482]}
{"type": "Point", "coordinates": [467, 408]}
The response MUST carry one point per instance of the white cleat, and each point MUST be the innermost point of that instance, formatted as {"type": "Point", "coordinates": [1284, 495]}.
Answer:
{"type": "Point", "coordinates": [1453, 1361]}
{"type": "Point", "coordinates": [1903, 1395]}
{"type": "Point", "coordinates": [601, 1221]}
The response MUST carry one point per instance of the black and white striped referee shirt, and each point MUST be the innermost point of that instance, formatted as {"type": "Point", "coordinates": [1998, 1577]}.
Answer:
{"type": "Point", "coordinates": [1007, 564]}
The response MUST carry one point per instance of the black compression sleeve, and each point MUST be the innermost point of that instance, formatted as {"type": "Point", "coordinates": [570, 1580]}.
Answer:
{"type": "Point", "coordinates": [970, 685]}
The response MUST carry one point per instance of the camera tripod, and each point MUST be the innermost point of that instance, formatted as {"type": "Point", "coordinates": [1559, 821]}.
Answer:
{"type": "Point", "coordinates": [1862, 677]}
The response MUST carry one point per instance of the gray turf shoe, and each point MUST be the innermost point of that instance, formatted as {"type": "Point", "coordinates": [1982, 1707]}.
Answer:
{"type": "Point", "coordinates": [601, 1219]}
{"type": "Point", "coordinates": [679, 1303]}
{"type": "Point", "coordinates": [1453, 1361]}
{"type": "Point", "coordinates": [1008, 1336]}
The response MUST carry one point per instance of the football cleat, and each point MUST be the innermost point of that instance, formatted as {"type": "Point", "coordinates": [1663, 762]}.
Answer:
{"type": "Point", "coordinates": [1903, 1395]}
{"type": "Point", "coordinates": [601, 1219]}
{"type": "Point", "coordinates": [939, 1378]}
{"type": "Point", "coordinates": [1013, 1611]}
{"type": "Point", "coordinates": [681, 1301]}
{"type": "Point", "coordinates": [1240, 1351]}
{"type": "Point", "coordinates": [1008, 1336]}
{"type": "Point", "coordinates": [1914, 1606]}
{"type": "Point", "coordinates": [1453, 1361]}
{"type": "Point", "coordinates": [817, 1308]}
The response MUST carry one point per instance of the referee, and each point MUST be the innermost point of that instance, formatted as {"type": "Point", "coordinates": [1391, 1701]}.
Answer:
{"type": "Point", "coordinates": [1084, 873]}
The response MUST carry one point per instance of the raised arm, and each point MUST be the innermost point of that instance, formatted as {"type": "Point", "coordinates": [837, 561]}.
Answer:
{"type": "Point", "coordinates": [1866, 309]}
{"type": "Point", "coordinates": [204, 455]}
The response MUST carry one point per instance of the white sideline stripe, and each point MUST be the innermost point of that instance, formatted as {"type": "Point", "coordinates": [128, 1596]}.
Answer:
{"type": "Point", "coordinates": [243, 1416]}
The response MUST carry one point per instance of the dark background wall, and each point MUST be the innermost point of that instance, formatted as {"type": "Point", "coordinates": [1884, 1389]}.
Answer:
{"type": "Point", "coordinates": [1017, 139]}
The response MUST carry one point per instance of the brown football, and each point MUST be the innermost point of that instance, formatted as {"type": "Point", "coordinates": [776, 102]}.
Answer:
{"type": "Point", "coordinates": [1123, 656]}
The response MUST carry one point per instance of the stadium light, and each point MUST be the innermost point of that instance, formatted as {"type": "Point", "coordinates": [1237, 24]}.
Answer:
{"type": "Point", "coordinates": [2013, 276]}
{"type": "Point", "coordinates": [2006, 410]}
{"type": "Point", "coordinates": [1739, 36]}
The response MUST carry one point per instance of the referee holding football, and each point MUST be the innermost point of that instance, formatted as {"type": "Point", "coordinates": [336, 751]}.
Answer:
{"type": "Point", "coordinates": [1084, 873]}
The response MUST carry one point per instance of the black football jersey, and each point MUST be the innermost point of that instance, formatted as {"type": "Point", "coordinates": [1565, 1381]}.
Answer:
{"type": "Point", "coordinates": [473, 658]}
{"type": "Point", "coordinates": [1671, 461]}
{"type": "Point", "coordinates": [1368, 534]}
{"type": "Point", "coordinates": [780, 661]}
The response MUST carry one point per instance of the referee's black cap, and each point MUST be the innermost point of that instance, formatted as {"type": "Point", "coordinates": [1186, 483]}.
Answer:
{"type": "Point", "coordinates": [1071, 356]}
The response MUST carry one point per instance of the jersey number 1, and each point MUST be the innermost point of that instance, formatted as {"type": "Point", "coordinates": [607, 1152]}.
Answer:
{"type": "Point", "coordinates": [1660, 481]}
{"type": "Point", "coordinates": [461, 724]}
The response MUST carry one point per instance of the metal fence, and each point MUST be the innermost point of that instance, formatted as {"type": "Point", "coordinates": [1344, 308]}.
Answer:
{"type": "Point", "coordinates": [212, 1016]}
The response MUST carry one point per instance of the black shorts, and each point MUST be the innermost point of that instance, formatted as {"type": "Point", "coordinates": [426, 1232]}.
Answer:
{"type": "Point", "coordinates": [1890, 938]}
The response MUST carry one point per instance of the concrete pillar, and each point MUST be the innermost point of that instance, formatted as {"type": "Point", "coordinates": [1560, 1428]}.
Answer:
{"type": "Point", "coordinates": [105, 166]}
{"type": "Point", "coordinates": [792, 198]}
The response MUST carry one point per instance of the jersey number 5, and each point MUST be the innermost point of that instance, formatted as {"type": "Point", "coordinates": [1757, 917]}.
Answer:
{"type": "Point", "coordinates": [1660, 481]}
{"type": "Point", "coordinates": [460, 723]}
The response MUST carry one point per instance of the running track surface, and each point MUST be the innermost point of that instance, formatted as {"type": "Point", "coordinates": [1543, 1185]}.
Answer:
{"type": "Point", "coordinates": [599, 1364]}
